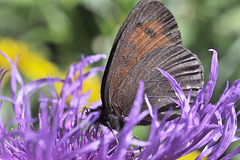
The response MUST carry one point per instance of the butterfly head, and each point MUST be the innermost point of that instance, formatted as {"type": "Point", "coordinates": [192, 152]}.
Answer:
{"type": "Point", "coordinates": [110, 120]}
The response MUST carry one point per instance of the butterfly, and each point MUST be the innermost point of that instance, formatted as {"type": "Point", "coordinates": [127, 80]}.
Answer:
{"type": "Point", "coordinates": [148, 38]}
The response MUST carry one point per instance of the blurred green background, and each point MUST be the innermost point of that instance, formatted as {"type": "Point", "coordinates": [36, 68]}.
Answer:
{"type": "Point", "coordinates": [62, 30]}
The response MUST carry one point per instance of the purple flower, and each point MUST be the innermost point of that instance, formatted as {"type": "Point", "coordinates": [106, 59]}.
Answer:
{"type": "Point", "coordinates": [63, 131]}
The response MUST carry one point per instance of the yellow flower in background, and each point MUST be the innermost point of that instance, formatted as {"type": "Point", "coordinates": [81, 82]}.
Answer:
{"type": "Point", "coordinates": [93, 84]}
{"type": "Point", "coordinates": [31, 64]}
{"type": "Point", "coordinates": [34, 65]}
{"type": "Point", "coordinates": [191, 156]}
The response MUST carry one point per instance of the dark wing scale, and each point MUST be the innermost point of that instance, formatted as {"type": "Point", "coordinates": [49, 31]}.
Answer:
{"type": "Point", "coordinates": [183, 65]}
{"type": "Point", "coordinates": [133, 42]}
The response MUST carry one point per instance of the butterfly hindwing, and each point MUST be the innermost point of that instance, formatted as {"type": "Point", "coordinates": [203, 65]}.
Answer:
{"type": "Point", "coordinates": [179, 62]}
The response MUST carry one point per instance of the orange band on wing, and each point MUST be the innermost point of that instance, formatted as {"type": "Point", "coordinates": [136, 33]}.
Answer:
{"type": "Point", "coordinates": [148, 37]}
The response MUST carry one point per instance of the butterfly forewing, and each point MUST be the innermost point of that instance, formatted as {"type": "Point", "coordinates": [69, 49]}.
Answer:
{"type": "Point", "coordinates": [151, 26]}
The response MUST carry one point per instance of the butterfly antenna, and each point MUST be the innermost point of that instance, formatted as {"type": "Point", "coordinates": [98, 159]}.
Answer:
{"type": "Point", "coordinates": [109, 126]}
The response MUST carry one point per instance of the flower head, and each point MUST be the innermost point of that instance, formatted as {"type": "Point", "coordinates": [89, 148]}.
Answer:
{"type": "Point", "coordinates": [63, 131]}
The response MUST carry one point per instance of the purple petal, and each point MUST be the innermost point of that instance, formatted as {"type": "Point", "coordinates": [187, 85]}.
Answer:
{"type": "Point", "coordinates": [213, 77]}
{"type": "Point", "coordinates": [178, 91]}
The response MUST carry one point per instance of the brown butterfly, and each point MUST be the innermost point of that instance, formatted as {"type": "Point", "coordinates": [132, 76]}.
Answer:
{"type": "Point", "coordinates": [148, 38]}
